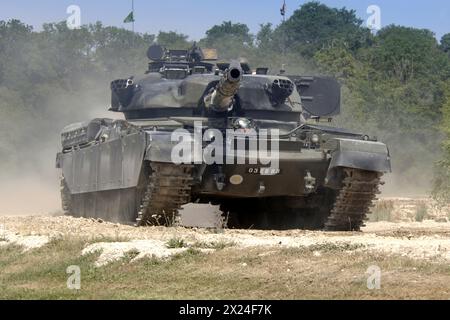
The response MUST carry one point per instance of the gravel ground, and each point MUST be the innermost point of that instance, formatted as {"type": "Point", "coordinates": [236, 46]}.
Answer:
{"type": "Point", "coordinates": [426, 240]}
{"type": "Point", "coordinates": [26, 242]}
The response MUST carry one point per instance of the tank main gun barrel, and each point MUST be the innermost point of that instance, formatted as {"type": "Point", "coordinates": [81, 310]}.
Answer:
{"type": "Point", "coordinates": [221, 99]}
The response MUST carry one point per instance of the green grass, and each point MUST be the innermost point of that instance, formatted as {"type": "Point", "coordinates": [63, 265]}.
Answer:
{"type": "Point", "coordinates": [130, 255]}
{"type": "Point", "coordinates": [260, 273]}
{"type": "Point", "coordinates": [175, 243]}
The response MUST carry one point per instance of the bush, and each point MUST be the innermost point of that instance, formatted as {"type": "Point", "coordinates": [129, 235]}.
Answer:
{"type": "Point", "coordinates": [175, 243]}
{"type": "Point", "coordinates": [382, 211]}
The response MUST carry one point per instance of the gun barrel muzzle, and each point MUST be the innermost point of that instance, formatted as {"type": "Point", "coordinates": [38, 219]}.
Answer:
{"type": "Point", "coordinates": [222, 97]}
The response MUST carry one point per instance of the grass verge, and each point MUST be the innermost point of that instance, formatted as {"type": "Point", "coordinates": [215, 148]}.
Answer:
{"type": "Point", "coordinates": [260, 273]}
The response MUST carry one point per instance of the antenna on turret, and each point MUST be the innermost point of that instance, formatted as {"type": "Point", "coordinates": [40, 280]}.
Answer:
{"type": "Point", "coordinates": [283, 14]}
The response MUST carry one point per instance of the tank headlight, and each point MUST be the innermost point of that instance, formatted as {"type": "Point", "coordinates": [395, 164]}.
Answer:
{"type": "Point", "coordinates": [242, 123]}
{"type": "Point", "coordinates": [315, 138]}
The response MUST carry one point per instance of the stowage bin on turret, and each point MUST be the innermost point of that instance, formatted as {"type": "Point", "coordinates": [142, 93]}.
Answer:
{"type": "Point", "coordinates": [204, 131]}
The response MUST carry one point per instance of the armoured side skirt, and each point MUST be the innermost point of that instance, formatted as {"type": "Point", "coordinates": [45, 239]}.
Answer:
{"type": "Point", "coordinates": [114, 205]}
{"type": "Point", "coordinates": [104, 166]}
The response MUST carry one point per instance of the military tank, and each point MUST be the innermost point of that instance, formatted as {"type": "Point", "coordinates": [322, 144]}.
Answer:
{"type": "Point", "coordinates": [258, 145]}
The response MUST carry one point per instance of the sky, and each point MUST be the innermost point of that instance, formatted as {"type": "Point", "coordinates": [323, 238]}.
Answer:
{"type": "Point", "coordinates": [194, 17]}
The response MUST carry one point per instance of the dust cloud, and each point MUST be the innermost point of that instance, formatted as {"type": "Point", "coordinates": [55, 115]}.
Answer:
{"type": "Point", "coordinates": [29, 185]}
{"type": "Point", "coordinates": [397, 185]}
{"type": "Point", "coordinates": [32, 195]}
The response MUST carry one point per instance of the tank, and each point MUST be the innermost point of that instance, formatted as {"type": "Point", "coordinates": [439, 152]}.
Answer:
{"type": "Point", "coordinates": [196, 130]}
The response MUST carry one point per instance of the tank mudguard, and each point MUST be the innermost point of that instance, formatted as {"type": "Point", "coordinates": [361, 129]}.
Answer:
{"type": "Point", "coordinates": [359, 154]}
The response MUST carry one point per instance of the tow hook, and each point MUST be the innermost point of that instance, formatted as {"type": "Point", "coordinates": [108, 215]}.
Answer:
{"type": "Point", "coordinates": [262, 187]}
{"type": "Point", "coordinates": [219, 178]}
{"type": "Point", "coordinates": [310, 183]}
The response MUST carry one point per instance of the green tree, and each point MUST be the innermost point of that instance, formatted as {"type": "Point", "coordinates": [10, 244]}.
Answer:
{"type": "Point", "coordinates": [265, 37]}
{"type": "Point", "coordinates": [119, 50]}
{"type": "Point", "coordinates": [408, 53]}
{"type": "Point", "coordinates": [15, 40]}
{"type": "Point", "coordinates": [316, 25]}
{"type": "Point", "coordinates": [393, 89]}
{"type": "Point", "coordinates": [338, 61]}
{"type": "Point", "coordinates": [228, 31]}
{"type": "Point", "coordinates": [441, 185]}
{"type": "Point", "coordinates": [173, 40]}
{"type": "Point", "coordinates": [232, 40]}
{"type": "Point", "coordinates": [445, 43]}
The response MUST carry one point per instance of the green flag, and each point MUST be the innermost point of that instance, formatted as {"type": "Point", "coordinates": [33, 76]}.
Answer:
{"type": "Point", "coordinates": [129, 18]}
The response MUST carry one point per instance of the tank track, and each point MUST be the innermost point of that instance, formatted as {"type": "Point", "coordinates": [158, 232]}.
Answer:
{"type": "Point", "coordinates": [168, 188]}
{"type": "Point", "coordinates": [353, 200]}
